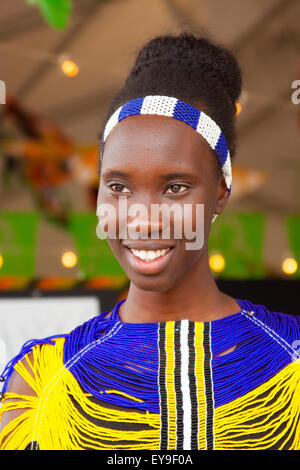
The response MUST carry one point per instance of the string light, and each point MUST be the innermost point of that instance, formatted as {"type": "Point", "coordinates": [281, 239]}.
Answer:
{"type": "Point", "coordinates": [289, 266]}
{"type": "Point", "coordinates": [1, 261]}
{"type": "Point", "coordinates": [69, 68]}
{"type": "Point", "coordinates": [69, 259]}
{"type": "Point", "coordinates": [238, 108]}
{"type": "Point", "coordinates": [217, 262]}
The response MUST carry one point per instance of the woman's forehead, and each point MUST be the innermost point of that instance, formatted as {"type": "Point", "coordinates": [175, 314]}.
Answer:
{"type": "Point", "coordinates": [155, 139]}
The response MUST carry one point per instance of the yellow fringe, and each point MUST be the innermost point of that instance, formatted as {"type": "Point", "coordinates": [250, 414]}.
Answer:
{"type": "Point", "coordinates": [52, 419]}
{"type": "Point", "coordinates": [54, 422]}
{"type": "Point", "coordinates": [233, 420]}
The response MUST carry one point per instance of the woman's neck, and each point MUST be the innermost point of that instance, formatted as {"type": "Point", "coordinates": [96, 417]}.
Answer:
{"type": "Point", "coordinates": [196, 297]}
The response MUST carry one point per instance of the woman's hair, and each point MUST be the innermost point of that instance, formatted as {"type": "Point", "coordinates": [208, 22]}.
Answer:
{"type": "Point", "coordinates": [193, 69]}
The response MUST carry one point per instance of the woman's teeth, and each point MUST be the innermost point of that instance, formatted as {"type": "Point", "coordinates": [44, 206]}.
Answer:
{"type": "Point", "coordinates": [149, 255]}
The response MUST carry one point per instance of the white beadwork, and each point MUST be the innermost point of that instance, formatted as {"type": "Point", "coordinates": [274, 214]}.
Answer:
{"type": "Point", "coordinates": [209, 130]}
{"type": "Point", "coordinates": [112, 122]}
{"type": "Point", "coordinates": [185, 385]}
{"type": "Point", "coordinates": [161, 105]}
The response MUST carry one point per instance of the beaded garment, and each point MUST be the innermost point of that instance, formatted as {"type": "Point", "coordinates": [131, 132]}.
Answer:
{"type": "Point", "coordinates": [161, 385]}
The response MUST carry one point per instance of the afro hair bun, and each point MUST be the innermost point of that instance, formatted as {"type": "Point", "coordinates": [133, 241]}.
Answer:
{"type": "Point", "coordinates": [201, 55]}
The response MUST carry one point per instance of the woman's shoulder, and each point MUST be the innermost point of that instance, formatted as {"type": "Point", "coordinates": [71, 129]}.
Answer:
{"type": "Point", "coordinates": [272, 318]}
{"type": "Point", "coordinates": [39, 351]}
{"type": "Point", "coordinates": [280, 327]}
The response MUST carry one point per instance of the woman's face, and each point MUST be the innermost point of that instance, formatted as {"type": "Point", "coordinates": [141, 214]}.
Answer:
{"type": "Point", "coordinates": [156, 160]}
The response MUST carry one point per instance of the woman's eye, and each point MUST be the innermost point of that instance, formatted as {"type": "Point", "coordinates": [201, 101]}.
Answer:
{"type": "Point", "coordinates": [119, 188]}
{"type": "Point", "coordinates": [176, 188]}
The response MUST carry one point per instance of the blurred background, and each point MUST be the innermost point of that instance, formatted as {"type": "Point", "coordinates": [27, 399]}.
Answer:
{"type": "Point", "coordinates": [62, 61]}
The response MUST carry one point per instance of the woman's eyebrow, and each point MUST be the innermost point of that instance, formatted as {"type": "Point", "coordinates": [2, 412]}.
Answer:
{"type": "Point", "coordinates": [115, 174]}
{"type": "Point", "coordinates": [171, 176]}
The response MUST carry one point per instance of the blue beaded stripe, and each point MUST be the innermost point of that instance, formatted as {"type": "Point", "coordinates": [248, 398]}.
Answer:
{"type": "Point", "coordinates": [183, 112]}
{"type": "Point", "coordinates": [186, 113]}
{"type": "Point", "coordinates": [132, 108]}
{"type": "Point", "coordinates": [221, 150]}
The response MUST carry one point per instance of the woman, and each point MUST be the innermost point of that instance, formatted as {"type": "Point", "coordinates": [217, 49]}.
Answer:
{"type": "Point", "coordinates": [179, 364]}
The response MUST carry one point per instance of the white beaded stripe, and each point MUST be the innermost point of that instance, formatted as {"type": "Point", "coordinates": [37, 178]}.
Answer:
{"type": "Point", "coordinates": [208, 129]}
{"type": "Point", "coordinates": [226, 169]}
{"type": "Point", "coordinates": [161, 105]}
{"type": "Point", "coordinates": [185, 385]}
{"type": "Point", "coordinates": [111, 123]}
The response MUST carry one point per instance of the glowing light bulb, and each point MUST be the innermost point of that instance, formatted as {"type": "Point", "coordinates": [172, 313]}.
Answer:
{"type": "Point", "coordinates": [69, 259]}
{"type": "Point", "coordinates": [217, 263]}
{"type": "Point", "coordinates": [69, 68]}
{"type": "Point", "coordinates": [1, 261]}
{"type": "Point", "coordinates": [289, 266]}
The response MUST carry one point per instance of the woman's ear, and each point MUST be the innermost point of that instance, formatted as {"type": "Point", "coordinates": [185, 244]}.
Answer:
{"type": "Point", "coordinates": [222, 196]}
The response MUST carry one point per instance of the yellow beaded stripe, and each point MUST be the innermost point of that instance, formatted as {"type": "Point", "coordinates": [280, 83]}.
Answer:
{"type": "Point", "coordinates": [53, 420]}
{"type": "Point", "coordinates": [200, 385]}
{"type": "Point", "coordinates": [170, 386]}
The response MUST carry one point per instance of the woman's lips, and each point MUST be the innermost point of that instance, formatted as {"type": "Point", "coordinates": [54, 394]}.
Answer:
{"type": "Point", "coordinates": [154, 260]}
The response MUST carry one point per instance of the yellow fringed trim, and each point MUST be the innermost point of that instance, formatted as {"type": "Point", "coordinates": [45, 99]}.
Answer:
{"type": "Point", "coordinates": [53, 420]}
{"type": "Point", "coordinates": [280, 408]}
{"type": "Point", "coordinates": [252, 421]}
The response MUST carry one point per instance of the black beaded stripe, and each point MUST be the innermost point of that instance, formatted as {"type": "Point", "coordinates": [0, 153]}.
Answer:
{"type": "Point", "coordinates": [208, 384]}
{"type": "Point", "coordinates": [193, 386]}
{"type": "Point", "coordinates": [164, 429]}
{"type": "Point", "coordinates": [177, 384]}
{"type": "Point", "coordinates": [33, 445]}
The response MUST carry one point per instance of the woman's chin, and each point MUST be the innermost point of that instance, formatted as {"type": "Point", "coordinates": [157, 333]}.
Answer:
{"type": "Point", "coordinates": [151, 286]}
{"type": "Point", "coordinates": [160, 283]}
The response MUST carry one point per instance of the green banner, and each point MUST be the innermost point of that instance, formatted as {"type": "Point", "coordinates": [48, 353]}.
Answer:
{"type": "Point", "coordinates": [55, 12]}
{"type": "Point", "coordinates": [95, 257]}
{"type": "Point", "coordinates": [239, 237]}
{"type": "Point", "coordinates": [293, 231]}
{"type": "Point", "coordinates": [18, 231]}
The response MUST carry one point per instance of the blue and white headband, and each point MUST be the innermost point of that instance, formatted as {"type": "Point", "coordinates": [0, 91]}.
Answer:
{"type": "Point", "coordinates": [177, 109]}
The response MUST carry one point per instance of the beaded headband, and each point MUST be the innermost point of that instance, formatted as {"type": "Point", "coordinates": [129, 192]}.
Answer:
{"type": "Point", "coordinates": [177, 109]}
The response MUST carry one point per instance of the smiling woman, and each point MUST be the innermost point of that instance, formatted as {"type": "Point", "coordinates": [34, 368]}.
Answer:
{"type": "Point", "coordinates": [178, 364]}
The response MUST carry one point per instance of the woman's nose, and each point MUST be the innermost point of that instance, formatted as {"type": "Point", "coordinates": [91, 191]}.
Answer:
{"type": "Point", "coordinates": [141, 223]}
